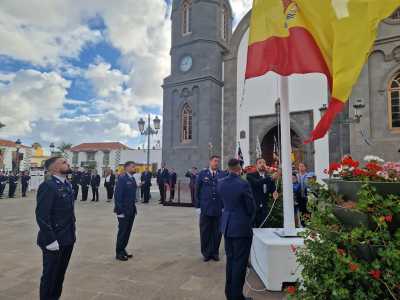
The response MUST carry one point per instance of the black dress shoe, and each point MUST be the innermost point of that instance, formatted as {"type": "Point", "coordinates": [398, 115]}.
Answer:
{"type": "Point", "coordinates": [129, 255]}
{"type": "Point", "coordinates": [121, 257]}
{"type": "Point", "coordinates": [205, 259]}
{"type": "Point", "coordinates": [215, 257]}
{"type": "Point", "coordinates": [248, 298]}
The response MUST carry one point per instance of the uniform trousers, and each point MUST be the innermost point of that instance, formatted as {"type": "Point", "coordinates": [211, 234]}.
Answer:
{"type": "Point", "coordinates": [75, 187]}
{"type": "Point", "coordinates": [210, 235]}
{"type": "Point", "coordinates": [193, 194]}
{"type": "Point", "coordinates": [2, 187]}
{"type": "Point", "coordinates": [237, 257]}
{"type": "Point", "coordinates": [24, 187]}
{"type": "Point", "coordinates": [95, 193]}
{"type": "Point", "coordinates": [124, 232]}
{"type": "Point", "coordinates": [85, 190]}
{"type": "Point", "coordinates": [172, 192]}
{"type": "Point", "coordinates": [261, 214]}
{"type": "Point", "coordinates": [11, 190]}
{"type": "Point", "coordinates": [162, 192]}
{"type": "Point", "coordinates": [110, 190]}
{"type": "Point", "coordinates": [55, 265]}
{"type": "Point", "coordinates": [146, 193]}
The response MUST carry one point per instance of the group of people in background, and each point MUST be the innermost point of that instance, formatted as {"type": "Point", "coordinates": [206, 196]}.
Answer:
{"type": "Point", "coordinates": [12, 179]}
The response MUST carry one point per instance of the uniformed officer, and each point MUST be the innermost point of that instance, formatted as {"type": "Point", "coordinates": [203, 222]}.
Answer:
{"type": "Point", "coordinates": [162, 181]}
{"type": "Point", "coordinates": [172, 184]}
{"type": "Point", "coordinates": [125, 209]}
{"type": "Point", "coordinates": [85, 182]}
{"type": "Point", "coordinates": [56, 219]}
{"type": "Point", "coordinates": [145, 179]}
{"type": "Point", "coordinates": [95, 183]}
{"type": "Point", "coordinates": [236, 226]}
{"type": "Point", "coordinates": [25, 178]}
{"type": "Point", "coordinates": [76, 179]}
{"type": "Point", "coordinates": [262, 186]}
{"type": "Point", "coordinates": [12, 184]}
{"type": "Point", "coordinates": [192, 174]}
{"type": "Point", "coordinates": [3, 182]}
{"type": "Point", "coordinates": [210, 208]}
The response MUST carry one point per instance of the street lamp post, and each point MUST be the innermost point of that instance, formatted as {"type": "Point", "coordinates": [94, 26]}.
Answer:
{"type": "Point", "coordinates": [149, 131]}
{"type": "Point", "coordinates": [17, 146]}
{"type": "Point", "coordinates": [51, 149]}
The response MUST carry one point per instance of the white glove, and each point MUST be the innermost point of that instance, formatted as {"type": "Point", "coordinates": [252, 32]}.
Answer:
{"type": "Point", "coordinates": [54, 246]}
{"type": "Point", "coordinates": [198, 211]}
{"type": "Point", "coordinates": [121, 216]}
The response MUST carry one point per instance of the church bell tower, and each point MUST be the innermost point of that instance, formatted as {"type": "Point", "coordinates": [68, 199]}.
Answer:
{"type": "Point", "coordinates": [192, 102]}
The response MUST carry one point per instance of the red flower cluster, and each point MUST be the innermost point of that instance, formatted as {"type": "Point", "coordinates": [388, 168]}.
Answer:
{"type": "Point", "coordinates": [375, 274]}
{"type": "Point", "coordinates": [291, 290]}
{"type": "Point", "coordinates": [333, 167]}
{"type": "Point", "coordinates": [353, 267]}
{"type": "Point", "coordinates": [348, 161]}
{"type": "Point", "coordinates": [388, 218]}
{"type": "Point", "coordinates": [373, 167]}
{"type": "Point", "coordinates": [360, 172]}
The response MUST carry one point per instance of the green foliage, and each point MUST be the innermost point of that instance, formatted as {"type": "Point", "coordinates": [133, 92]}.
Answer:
{"type": "Point", "coordinates": [361, 263]}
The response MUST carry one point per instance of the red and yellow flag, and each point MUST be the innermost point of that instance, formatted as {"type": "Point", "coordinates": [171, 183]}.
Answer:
{"type": "Point", "coordinates": [333, 37]}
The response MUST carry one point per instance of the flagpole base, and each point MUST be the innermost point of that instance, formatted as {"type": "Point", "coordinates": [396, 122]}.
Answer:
{"type": "Point", "coordinates": [287, 232]}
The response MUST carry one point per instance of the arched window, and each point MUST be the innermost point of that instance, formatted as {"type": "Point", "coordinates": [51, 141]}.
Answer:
{"type": "Point", "coordinates": [396, 15]}
{"type": "Point", "coordinates": [186, 129]}
{"type": "Point", "coordinates": [394, 102]}
{"type": "Point", "coordinates": [224, 23]}
{"type": "Point", "coordinates": [186, 17]}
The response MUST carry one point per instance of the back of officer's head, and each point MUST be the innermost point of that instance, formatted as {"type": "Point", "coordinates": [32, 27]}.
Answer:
{"type": "Point", "coordinates": [234, 166]}
{"type": "Point", "coordinates": [129, 167]}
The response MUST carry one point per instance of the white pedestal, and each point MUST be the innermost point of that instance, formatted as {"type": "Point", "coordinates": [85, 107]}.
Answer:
{"type": "Point", "coordinates": [273, 259]}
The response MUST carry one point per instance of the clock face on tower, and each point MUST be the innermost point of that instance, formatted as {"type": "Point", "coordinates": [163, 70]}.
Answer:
{"type": "Point", "coordinates": [186, 63]}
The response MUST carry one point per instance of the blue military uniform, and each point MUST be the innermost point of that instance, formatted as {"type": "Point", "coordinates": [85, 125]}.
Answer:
{"type": "Point", "coordinates": [76, 179]}
{"type": "Point", "coordinates": [211, 209]}
{"type": "Point", "coordinates": [192, 185]}
{"type": "Point", "coordinates": [56, 219]}
{"type": "Point", "coordinates": [236, 226]}
{"type": "Point", "coordinates": [145, 179]}
{"type": "Point", "coordinates": [125, 209]}
{"type": "Point", "coordinates": [85, 182]}
{"type": "Point", "coordinates": [3, 182]}
{"type": "Point", "coordinates": [25, 183]}
{"type": "Point", "coordinates": [172, 183]}
{"type": "Point", "coordinates": [162, 180]}
{"type": "Point", "coordinates": [95, 183]}
{"type": "Point", "coordinates": [12, 185]}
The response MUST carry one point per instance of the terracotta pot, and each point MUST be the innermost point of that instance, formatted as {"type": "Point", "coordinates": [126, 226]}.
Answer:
{"type": "Point", "coordinates": [350, 189]}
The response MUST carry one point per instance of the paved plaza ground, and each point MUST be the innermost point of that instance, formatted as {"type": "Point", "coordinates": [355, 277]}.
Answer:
{"type": "Point", "coordinates": [166, 263]}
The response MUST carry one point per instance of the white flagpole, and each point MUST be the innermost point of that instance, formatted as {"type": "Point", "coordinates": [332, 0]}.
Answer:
{"type": "Point", "coordinates": [286, 150]}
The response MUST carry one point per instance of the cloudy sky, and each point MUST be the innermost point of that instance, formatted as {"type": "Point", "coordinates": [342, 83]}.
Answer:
{"type": "Point", "coordinates": [75, 71]}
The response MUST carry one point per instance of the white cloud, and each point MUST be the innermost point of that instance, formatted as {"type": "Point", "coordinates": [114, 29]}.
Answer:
{"type": "Point", "coordinates": [240, 8]}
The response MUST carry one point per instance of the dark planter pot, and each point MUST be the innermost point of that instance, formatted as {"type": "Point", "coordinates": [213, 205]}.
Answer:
{"type": "Point", "coordinates": [351, 218]}
{"type": "Point", "coordinates": [350, 189]}
{"type": "Point", "coordinates": [367, 252]}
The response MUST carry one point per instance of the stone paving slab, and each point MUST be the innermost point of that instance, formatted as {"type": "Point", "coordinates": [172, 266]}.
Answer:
{"type": "Point", "coordinates": [166, 265]}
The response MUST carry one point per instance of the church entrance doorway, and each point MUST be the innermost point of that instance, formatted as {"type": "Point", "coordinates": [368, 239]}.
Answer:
{"type": "Point", "coordinates": [271, 143]}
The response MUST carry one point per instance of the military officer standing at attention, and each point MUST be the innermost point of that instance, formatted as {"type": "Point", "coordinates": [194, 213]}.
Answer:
{"type": "Point", "coordinates": [262, 186]}
{"type": "Point", "coordinates": [145, 179]}
{"type": "Point", "coordinates": [210, 209]}
{"type": "Point", "coordinates": [125, 209]}
{"type": "Point", "coordinates": [12, 184]}
{"type": "Point", "coordinates": [76, 179]}
{"type": "Point", "coordinates": [172, 184]}
{"type": "Point", "coordinates": [162, 181]}
{"type": "Point", "coordinates": [236, 226]}
{"type": "Point", "coordinates": [25, 178]}
{"type": "Point", "coordinates": [95, 183]}
{"type": "Point", "coordinates": [3, 182]}
{"type": "Point", "coordinates": [192, 174]}
{"type": "Point", "coordinates": [85, 182]}
{"type": "Point", "coordinates": [56, 219]}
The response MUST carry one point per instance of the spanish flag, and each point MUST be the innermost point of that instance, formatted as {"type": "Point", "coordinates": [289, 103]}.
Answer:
{"type": "Point", "coordinates": [333, 37]}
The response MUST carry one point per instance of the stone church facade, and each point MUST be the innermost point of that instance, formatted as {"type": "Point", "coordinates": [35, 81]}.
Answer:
{"type": "Point", "coordinates": [203, 114]}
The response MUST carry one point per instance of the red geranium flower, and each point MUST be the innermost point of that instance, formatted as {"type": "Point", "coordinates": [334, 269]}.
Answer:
{"type": "Point", "coordinates": [291, 290]}
{"type": "Point", "coordinates": [389, 218]}
{"type": "Point", "coordinates": [293, 248]}
{"type": "Point", "coordinates": [341, 251]}
{"type": "Point", "coordinates": [376, 274]}
{"type": "Point", "coordinates": [333, 167]}
{"type": "Point", "coordinates": [360, 172]}
{"type": "Point", "coordinates": [373, 167]}
{"type": "Point", "coordinates": [348, 161]}
{"type": "Point", "coordinates": [353, 267]}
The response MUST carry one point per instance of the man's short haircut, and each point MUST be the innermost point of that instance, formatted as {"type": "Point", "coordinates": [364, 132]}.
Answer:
{"type": "Point", "coordinates": [128, 163]}
{"type": "Point", "coordinates": [260, 158]}
{"type": "Point", "coordinates": [48, 163]}
{"type": "Point", "coordinates": [215, 156]}
{"type": "Point", "coordinates": [233, 163]}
